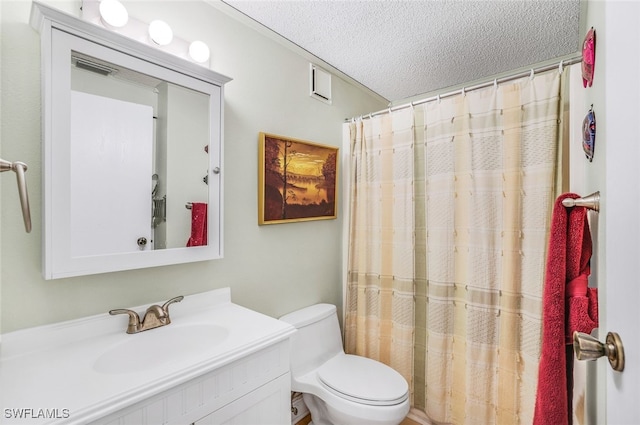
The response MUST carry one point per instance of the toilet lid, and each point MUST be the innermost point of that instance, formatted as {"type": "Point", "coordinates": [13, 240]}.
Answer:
{"type": "Point", "coordinates": [363, 380]}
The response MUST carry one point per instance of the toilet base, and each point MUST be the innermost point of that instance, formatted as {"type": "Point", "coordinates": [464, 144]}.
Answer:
{"type": "Point", "coordinates": [323, 414]}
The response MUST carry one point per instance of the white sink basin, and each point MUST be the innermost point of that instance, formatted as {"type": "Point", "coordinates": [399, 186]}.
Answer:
{"type": "Point", "coordinates": [157, 347]}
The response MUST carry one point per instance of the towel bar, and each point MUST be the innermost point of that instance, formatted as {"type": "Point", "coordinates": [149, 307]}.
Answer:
{"type": "Point", "coordinates": [19, 168]}
{"type": "Point", "coordinates": [591, 202]}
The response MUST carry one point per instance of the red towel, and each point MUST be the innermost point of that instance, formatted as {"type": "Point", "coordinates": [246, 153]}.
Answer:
{"type": "Point", "coordinates": [198, 224]}
{"type": "Point", "coordinates": [568, 306]}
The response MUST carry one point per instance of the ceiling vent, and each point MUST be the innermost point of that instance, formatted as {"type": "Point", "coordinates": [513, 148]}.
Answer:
{"type": "Point", "coordinates": [320, 84]}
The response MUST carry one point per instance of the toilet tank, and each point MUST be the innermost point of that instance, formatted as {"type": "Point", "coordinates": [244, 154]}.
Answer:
{"type": "Point", "coordinates": [318, 337]}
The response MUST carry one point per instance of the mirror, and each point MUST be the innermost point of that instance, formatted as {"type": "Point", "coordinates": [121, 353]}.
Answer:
{"type": "Point", "coordinates": [132, 153]}
{"type": "Point", "coordinates": [157, 150]}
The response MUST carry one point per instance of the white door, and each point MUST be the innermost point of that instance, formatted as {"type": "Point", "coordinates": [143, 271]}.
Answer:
{"type": "Point", "coordinates": [111, 148]}
{"type": "Point", "coordinates": [617, 75]}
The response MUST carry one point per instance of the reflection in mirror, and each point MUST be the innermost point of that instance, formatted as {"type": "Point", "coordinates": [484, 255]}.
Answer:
{"type": "Point", "coordinates": [138, 157]}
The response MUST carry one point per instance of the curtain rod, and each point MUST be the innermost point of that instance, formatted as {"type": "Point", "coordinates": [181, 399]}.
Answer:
{"type": "Point", "coordinates": [560, 65]}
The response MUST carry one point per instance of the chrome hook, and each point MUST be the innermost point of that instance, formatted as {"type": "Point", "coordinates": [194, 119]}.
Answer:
{"type": "Point", "coordinates": [591, 202]}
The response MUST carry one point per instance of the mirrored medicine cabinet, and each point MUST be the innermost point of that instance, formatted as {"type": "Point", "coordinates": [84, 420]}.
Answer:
{"type": "Point", "coordinates": [132, 147]}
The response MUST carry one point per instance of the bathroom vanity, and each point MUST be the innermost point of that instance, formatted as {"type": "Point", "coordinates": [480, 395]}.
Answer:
{"type": "Point", "coordinates": [215, 363]}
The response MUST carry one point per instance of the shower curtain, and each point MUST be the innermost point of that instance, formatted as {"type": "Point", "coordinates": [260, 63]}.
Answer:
{"type": "Point", "coordinates": [450, 206]}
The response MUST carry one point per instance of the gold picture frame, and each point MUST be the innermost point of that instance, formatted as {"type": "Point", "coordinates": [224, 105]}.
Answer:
{"type": "Point", "coordinates": [297, 180]}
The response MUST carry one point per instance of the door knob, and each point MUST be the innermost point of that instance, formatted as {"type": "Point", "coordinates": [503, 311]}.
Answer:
{"type": "Point", "coordinates": [587, 347]}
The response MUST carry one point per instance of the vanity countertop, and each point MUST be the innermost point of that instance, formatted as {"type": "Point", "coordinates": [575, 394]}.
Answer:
{"type": "Point", "coordinates": [78, 371]}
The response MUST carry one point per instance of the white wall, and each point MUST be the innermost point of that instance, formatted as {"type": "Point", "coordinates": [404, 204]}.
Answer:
{"type": "Point", "coordinates": [586, 178]}
{"type": "Point", "coordinates": [273, 269]}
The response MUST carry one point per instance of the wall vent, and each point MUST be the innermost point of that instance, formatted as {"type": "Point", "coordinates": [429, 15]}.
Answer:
{"type": "Point", "coordinates": [320, 84]}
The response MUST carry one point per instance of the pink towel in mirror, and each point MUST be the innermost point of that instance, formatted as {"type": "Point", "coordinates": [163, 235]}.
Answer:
{"type": "Point", "coordinates": [198, 224]}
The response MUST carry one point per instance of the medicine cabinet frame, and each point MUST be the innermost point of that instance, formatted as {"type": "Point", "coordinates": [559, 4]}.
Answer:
{"type": "Point", "coordinates": [57, 258]}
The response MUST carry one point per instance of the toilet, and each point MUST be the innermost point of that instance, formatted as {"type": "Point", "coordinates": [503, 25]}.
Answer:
{"type": "Point", "coordinates": [339, 388]}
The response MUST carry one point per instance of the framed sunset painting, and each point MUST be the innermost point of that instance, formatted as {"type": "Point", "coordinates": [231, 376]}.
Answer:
{"type": "Point", "coordinates": [297, 180]}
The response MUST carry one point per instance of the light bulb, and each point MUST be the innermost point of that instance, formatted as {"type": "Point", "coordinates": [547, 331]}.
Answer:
{"type": "Point", "coordinates": [113, 13]}
{"type": "Point", "coordinates": [199, 51]}
{"type": "Point", "coordinates": [160, 32]}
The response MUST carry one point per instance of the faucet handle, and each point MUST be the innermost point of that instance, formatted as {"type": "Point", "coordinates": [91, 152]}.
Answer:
{"type": "Point", "coordinates": [154, 317]}
{"type": "Point", "coordinates": [134, 319]}
{"type": "Point", "coordinates": [165, 306]}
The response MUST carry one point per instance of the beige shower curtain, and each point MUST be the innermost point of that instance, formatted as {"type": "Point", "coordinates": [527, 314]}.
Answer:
{"type": "Point", "coordinates": [449, 213]}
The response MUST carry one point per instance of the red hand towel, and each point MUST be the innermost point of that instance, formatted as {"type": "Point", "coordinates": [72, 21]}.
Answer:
{"type": "Point", "coordinates": [568, 305]}
{"type": "Point", "coordinates": [198, 224]}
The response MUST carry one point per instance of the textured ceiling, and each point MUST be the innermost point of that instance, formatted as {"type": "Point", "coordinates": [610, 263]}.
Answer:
{"type": "Point", "coordinates": [403, 48]}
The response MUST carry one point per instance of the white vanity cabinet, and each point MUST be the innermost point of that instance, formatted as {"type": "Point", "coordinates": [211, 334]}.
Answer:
{"type": "Point", "coordinates": [269, 404]}
{"type": "Point", "coordinates": [215, 363]}
{"type": "Point", "coordinates": [253, 390]}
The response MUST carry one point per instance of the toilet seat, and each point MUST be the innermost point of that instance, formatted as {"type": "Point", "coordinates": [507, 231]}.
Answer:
{"type": "Point", "coordinates": [363, 380]}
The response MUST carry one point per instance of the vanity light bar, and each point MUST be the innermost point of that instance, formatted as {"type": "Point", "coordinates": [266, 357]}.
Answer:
{"type": "Point", "coordinates": [158, 33]}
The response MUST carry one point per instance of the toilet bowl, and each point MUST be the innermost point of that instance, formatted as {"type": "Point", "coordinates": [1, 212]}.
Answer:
{"type": "Point", "coordinates": [339, 388]}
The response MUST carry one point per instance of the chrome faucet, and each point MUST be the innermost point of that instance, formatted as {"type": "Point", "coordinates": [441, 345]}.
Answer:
{"type": "Point", "coordinates": [154, 317]}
